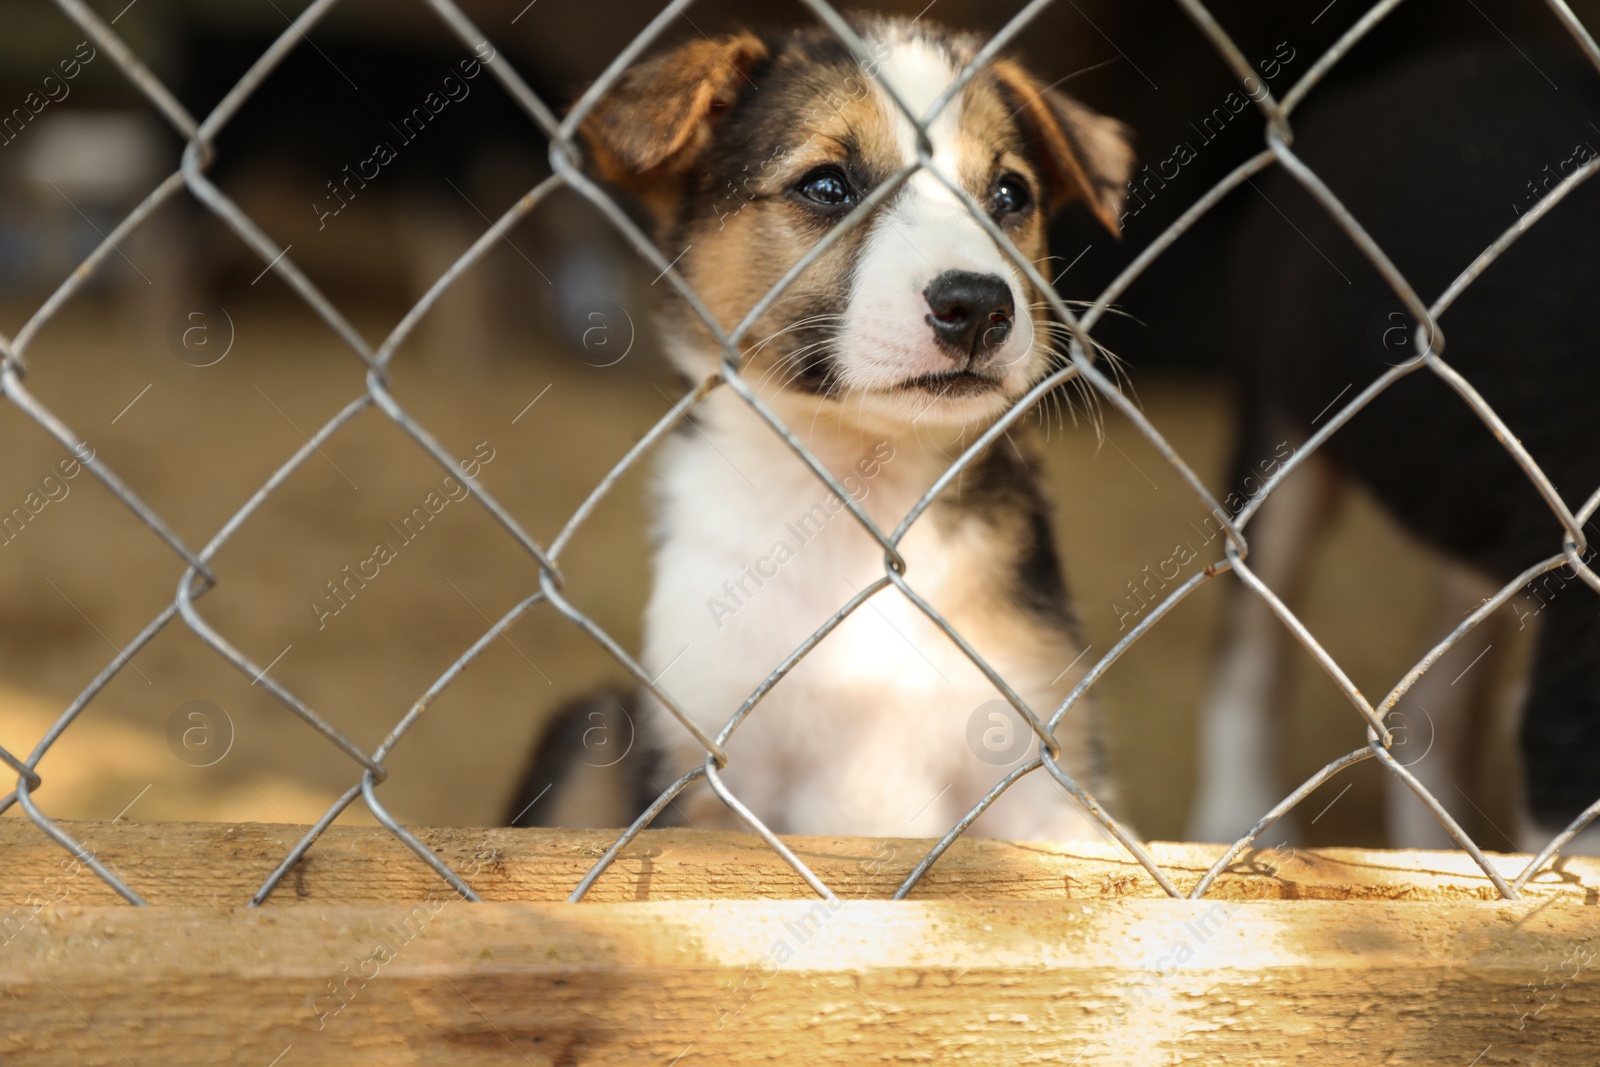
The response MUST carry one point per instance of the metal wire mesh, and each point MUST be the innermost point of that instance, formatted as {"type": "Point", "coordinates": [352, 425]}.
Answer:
{"type": "Point", "coordinates": [567, 164]}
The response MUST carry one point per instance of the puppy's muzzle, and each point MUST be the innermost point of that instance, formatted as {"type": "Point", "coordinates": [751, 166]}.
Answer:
{"type": "Point", "coordinates": [971, 314]}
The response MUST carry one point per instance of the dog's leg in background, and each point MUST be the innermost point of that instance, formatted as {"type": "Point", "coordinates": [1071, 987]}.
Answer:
{"type": "Point", "coordinates": [1560, 732]}
{"type": "Point", "coordinates": [1436, 722]}
{"type": "Point", "coordinates": [1237, 779]}
{"type": "Point", "coordinates": [590, 768]}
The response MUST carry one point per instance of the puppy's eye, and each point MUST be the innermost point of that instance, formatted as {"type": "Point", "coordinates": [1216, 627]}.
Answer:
{"type": "Point", "coordinates": [1010, 196]}
{"type": "Point", "coordinates": [826, 186]}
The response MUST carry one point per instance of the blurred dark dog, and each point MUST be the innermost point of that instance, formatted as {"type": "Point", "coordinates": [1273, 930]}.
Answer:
{"type": "Point", "coordinates": [1435, 158]}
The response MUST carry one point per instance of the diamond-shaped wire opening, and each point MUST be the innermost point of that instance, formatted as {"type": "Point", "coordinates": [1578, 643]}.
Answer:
{"type": "Point", "coordinates": [565, 161]}
{"type": "Point", "coordinates": [198, 578]}
{"type": "Point", "coordinates": [1430, 342]}
{"type": "Point", "coordinates": [730, 341]}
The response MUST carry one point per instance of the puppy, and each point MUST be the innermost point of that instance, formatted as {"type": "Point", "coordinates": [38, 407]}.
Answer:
{"type": "Point", "coordinates": [907, 338]}
{"type": "Point", "coordinates": [1482, 137]}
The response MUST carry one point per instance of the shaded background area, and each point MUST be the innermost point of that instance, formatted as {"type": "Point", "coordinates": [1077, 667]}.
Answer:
{"type": "Point", "coordinates": [544, 358]}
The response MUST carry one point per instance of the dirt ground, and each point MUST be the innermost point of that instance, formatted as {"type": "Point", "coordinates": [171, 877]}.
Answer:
{"type": "Point", "coordinates": [84, 576]}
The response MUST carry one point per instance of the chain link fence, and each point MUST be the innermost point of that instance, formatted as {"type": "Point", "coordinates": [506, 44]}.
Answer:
{"type": "Point", "coordinates": [1567, 537]}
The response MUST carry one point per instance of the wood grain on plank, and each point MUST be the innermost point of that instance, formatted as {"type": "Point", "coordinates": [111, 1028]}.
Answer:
{"type": "Point", "coordinates": [215, 864]}
{"type": "Point", "coordinates": [1085, 982]}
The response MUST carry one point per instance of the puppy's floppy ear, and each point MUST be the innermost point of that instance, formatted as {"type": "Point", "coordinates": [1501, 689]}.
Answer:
{"type": "Point", "coordinates": [660, 113]}
{"type": "Point", "coordinates": [1085, 153]}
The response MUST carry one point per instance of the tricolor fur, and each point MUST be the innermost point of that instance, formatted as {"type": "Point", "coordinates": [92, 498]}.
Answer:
{"type": "Point", "coordinates": [906, 338]}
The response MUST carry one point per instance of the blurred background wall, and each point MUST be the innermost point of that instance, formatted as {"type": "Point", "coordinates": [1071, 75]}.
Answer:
{"type": "Point", "coordinates": [544, 359]}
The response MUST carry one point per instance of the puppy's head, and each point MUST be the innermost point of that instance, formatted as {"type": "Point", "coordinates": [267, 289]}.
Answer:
{"type": "Point", "coordinates": [746, 151]}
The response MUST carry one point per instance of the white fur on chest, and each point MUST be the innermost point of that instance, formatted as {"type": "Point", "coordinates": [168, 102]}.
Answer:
{"type": "Point", "coordinates": [869, 733]}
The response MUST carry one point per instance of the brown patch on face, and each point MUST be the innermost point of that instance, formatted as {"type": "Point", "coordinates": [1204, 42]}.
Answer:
{"type": "Point", "coordinates": [719, 140]}
{"type": "Point", "coordinates": [995, 145]}
{"type": "Point", "coordinates": [1086, 155]}
{"type": "Point", "coordinates": [746, 221]}
{"type": "Point", "coordinates": [660, 115]}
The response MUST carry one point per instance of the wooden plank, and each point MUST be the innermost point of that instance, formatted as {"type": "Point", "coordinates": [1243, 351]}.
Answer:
{"type": "Point", "coordinates": [1071, 982]}
{"type": "Point", "coordinates": [222, 864]}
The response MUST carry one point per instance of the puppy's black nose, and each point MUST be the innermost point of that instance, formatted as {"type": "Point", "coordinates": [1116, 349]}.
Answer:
{"type": "Point", "coordinates": [970, 313]}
